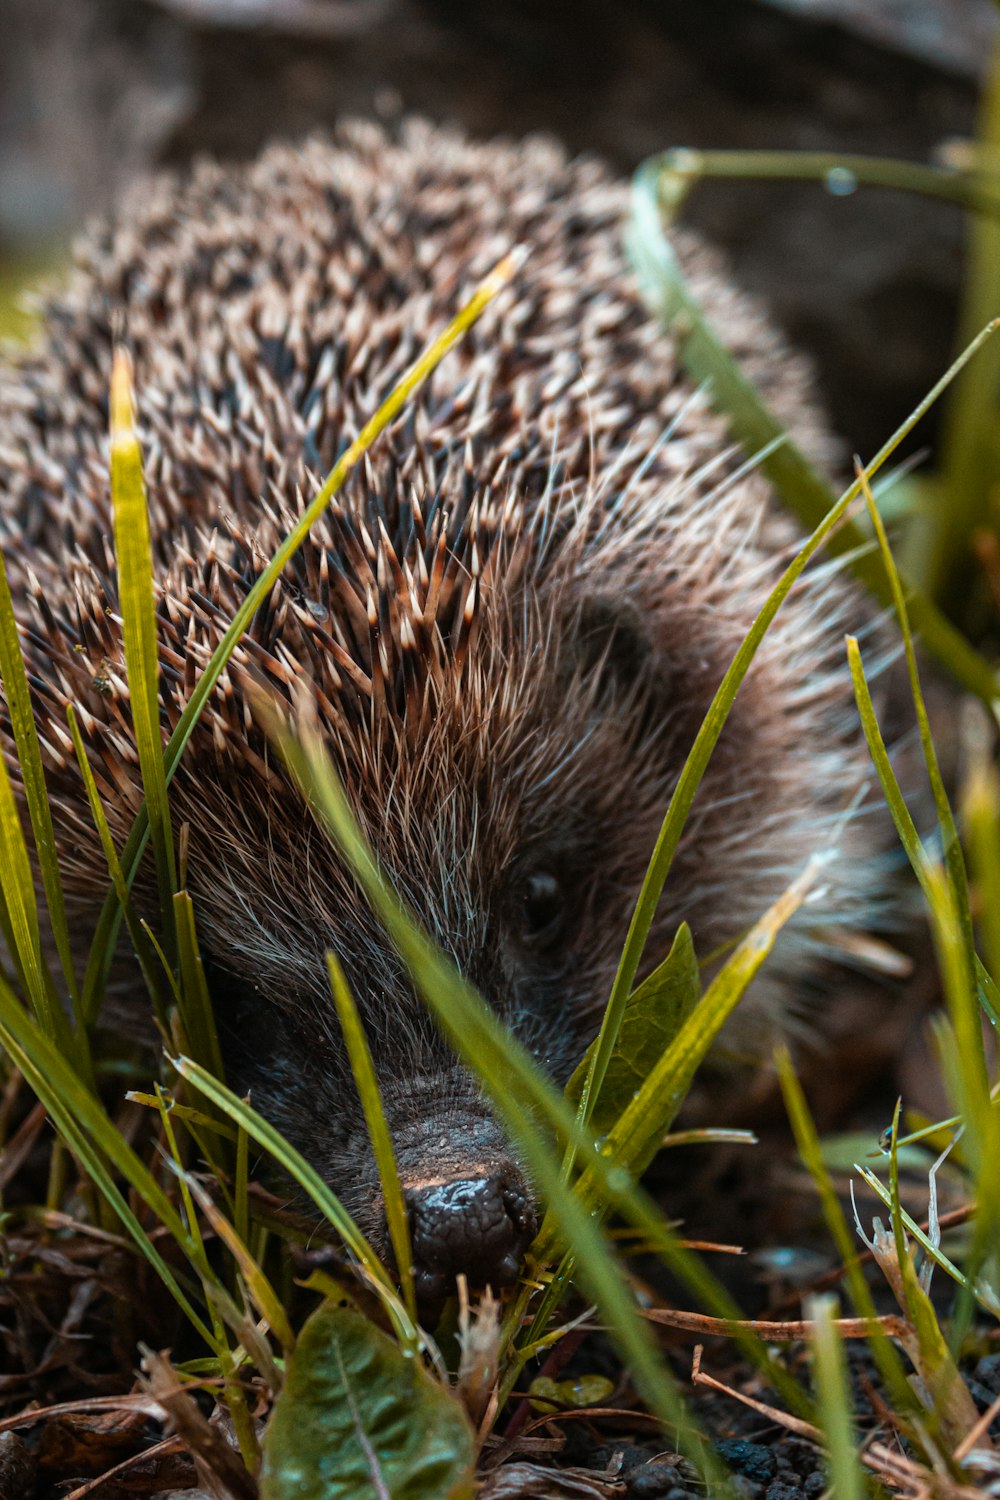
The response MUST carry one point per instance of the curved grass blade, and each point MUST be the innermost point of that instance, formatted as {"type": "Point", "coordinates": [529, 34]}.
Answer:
{"type": "Point", "coordinates": [107, 926]}
{"type": "Point", "coordinates": [310, 1181]}
{"type": "Point", "coordinates": [920, 862]}
{"type": "Point", "coordinates": [954, 858]}
{"type": "Point", "coordinates": [753, 424]}
{"type": "Point", "coordinates": [378, 1131]}
{"type": "Point", "coordinates": [684, 167]}
{"type": "Point", "coordinates": [85, 1127]}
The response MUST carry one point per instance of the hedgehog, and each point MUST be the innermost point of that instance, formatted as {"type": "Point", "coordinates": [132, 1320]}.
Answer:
{"type": "Point", "coordinates": [509, 625]}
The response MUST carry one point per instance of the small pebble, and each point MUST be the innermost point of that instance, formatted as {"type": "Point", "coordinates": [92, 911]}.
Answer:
{"type": "Point", "coordinates": [752, 1460]}
{"type": "Point", "coordinates": [782, 1490]}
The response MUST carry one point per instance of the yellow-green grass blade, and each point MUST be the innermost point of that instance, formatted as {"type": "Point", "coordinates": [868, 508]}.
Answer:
{"type": "Point", "coordinates": [669, 836]}
{"type": "Point", "coordinates": [754, 425]}
{"type": "Point", "coordinates": [17, 889]}
{"type": "Point", "coordinates": [297, 1168]}
{"type": "Point", "coordinates": [140, 942]}
{"type": "Point", "coordinates": [960, 1045]}
{"type": "Point", "coordinates": [134, 557]}
{"type": "Point", "coordinates": [268, 1302]}
{"type": "Point", "coordinates": [834, 1400]}
{"type": "Point", "coordinates": [989, 997]}
{"type": "Point", "coordinates": [954, 858]}
{"type": "Point", "coordinates": [29, 756]}
{"type": "Point", "coordinates": [428, 361]}
{"type": "Point", "coordinates": [363, 1069]}
{"type": "Point", "coordinates": [94, 1140]}
{"type": "Point", "coordinates": [635, 1137]}
{"type": "Point", "coordinates": [981, 820]}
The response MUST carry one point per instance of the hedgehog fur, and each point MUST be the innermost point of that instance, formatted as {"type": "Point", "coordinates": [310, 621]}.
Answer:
{"type": "Point", "coordinates": [510, 622]}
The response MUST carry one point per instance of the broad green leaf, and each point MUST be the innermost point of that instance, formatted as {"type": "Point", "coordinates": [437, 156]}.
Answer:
{"type": "Point", "coordinates": [359, 1419]}
{"type": "Point", "coordinates": [654, 1014]}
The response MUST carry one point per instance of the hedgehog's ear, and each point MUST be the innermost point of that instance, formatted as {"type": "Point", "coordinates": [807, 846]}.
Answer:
{"type": "Point", "coordinates": [607, 637]}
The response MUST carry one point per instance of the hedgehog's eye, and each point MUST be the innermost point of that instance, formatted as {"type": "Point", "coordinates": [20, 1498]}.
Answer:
{"type": "Point", "coordinates": [541, 909]}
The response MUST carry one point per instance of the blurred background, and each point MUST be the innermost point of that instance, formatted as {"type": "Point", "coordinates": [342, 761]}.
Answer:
{"type": "Point", "coordinates": [93, 91]}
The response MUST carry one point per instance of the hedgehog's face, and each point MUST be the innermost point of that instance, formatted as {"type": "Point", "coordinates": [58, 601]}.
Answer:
{"type": "Point", "coordinates": [519, 836]}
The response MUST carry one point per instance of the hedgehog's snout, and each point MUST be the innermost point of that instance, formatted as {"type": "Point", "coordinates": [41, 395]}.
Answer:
{"type": "Point", "coordinates": [479, 1227]}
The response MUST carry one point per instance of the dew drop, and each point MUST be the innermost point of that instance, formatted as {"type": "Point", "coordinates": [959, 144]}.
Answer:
{"type": "Point", "coordinates": [841, 182]}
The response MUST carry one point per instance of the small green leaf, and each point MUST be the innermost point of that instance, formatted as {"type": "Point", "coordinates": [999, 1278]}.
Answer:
{"type": "Point", "coordinates": [654, 1014]}
{"type": "Point", "coordinates": [359, 1418]}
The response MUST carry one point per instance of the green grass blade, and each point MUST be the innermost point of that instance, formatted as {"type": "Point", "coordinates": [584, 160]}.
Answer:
{"type": "Point", "coordinates": [811, 1153]}
{"type": "Point", "coordinates": [969, 450]}
{"type": "Point", "coordinates": [488, 289]}
{"type": "Point", "coordinates": [801, 488]}
{"type": "Point", "coordinates": [85, 1127]}
{"type": "Point", "coordinates": [634, 1138]}
{"type": "Point", "coordinates": [17, 889]}
{"type": "Point", "coordinates": [968, 1085]}
{"type": "Point", "coordinates": [310, 1181]}
{"type": "Point", "coordinates": [266, 1299]}
{"type": "Point", "coordinates": [951, 1403]}
{"type": "Point", "coordinates": [197, 1015]}
{"type": "Point", "coordinates": [954, 858]}
{"type": "Point", "coordinates": [683, 168]}
{"type": "Point", "coordinates": [920, 862]}
{"type": "Point", "coordinates": [987, 1300]}
{"type": "Point", "coordinates": [363, 1069]}
{"type": "Point", "coordinates": [29, 755]}
{"type": "Point", "coordinates": [834, 1400]}
{"type": "Point", "coordinates": [134, 557]}
{"type": "Point", "coordinates": [981, 820]}
{"type": "Point", "coordinates": [140, 942]}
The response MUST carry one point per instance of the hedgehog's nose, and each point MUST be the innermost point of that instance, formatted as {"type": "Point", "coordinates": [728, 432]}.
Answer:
{"type": "Point", "coordinates": [480, 1226]}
